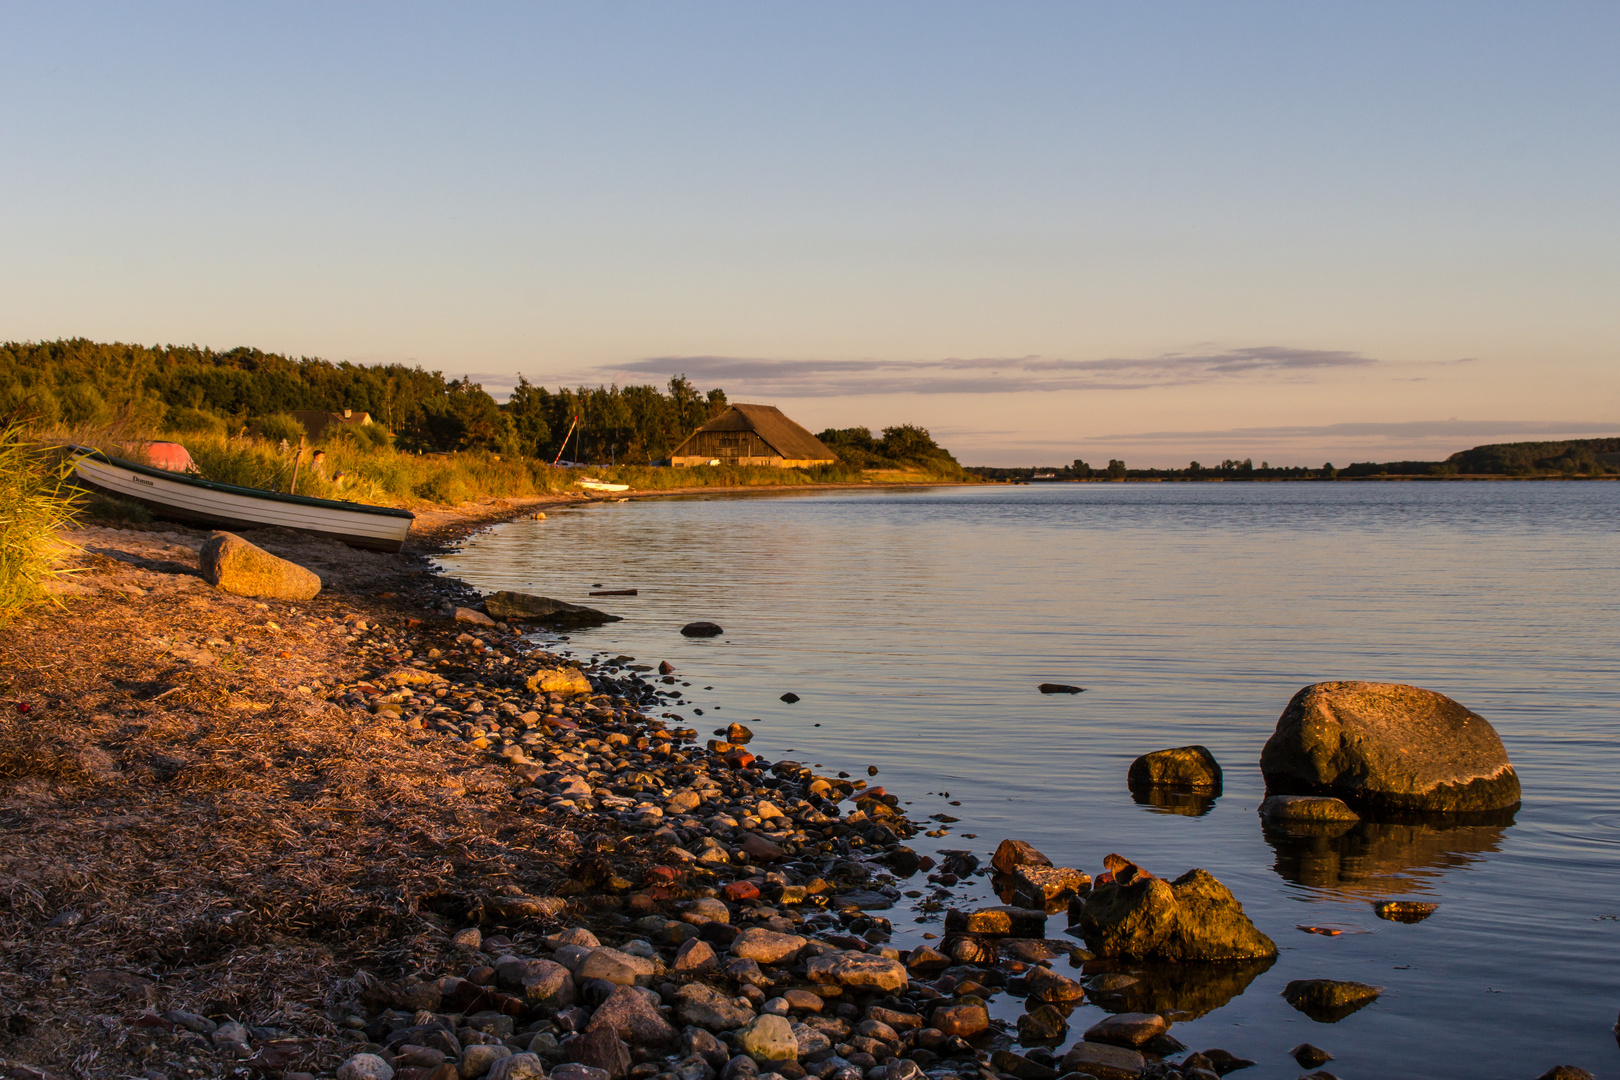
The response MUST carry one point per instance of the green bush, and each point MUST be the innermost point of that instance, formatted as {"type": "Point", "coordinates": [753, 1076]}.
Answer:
{"type": "Point", "coordinates": [445, 487]}
{"type": "Point", "coordinates": [34, 502]}
{"type": "Point", "coordinates": [279, 427]}
{"type": "Point", "coordinates": [184, 420]}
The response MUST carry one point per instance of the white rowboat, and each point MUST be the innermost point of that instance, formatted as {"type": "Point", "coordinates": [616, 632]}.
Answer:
{"type": "Point", "coordinates": [193, 500]}
{"type": "Point", "coordinates": [597, 485]}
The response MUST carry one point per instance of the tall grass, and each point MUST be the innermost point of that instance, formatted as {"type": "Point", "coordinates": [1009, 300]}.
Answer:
{"type": "Point", "coordinates": [34, 503]}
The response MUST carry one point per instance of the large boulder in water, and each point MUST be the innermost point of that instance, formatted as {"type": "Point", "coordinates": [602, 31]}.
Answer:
{"type": "Point", "coordinates": [1384, 747]}
{"type": "Point", "coordinates": [1193, 918]}
{"type": "Point", "coordinates": [523, 607]}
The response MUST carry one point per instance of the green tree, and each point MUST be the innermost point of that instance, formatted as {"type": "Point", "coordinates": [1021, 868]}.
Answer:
{"type": "Point", "coordinates": [1116, 469]}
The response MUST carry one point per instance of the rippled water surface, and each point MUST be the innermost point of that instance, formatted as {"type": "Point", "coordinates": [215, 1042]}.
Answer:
{"type": "Point", "coordinates": [915, 626]}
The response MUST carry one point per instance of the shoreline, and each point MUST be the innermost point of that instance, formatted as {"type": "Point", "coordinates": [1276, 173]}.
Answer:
{"type": "Point", "coordinates": [417, 867]}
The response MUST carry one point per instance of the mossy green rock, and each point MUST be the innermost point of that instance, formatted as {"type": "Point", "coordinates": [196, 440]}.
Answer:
{"type": "Point", "coordinates": [1388, 748]}
{"type": "Point", "coordinates": [1193, 918]}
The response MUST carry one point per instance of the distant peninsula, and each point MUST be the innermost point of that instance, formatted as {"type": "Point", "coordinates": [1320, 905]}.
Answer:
{"type": "Point", "coordinates": [1568, 459]}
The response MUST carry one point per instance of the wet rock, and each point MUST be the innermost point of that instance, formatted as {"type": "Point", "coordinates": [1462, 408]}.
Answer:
{"type": "Point", "coordinates": [1047, 985]}
{"type": "Point", "coordinates": [858, 971]}
{"type": "Point", "coordinates": [926, 961]}
{"type": "Point", "coordinates": [1565, 1072]}
{"type": "Point", "coordinates": [701, 629]}
{"type": "Point", "coordinates": [1103, 1061]}
{"type": "Point", "coordinates": [705, 1007]}
{"type": "Point", "coordinates": [1111, 982]}
{"type": "Point", "coordinates": [1005, 1061]}
{"type": "Point", "coordinates": [365, 1067]}
{"type": "Point", "coordinates": [1328, 1001]}
{"type": "Point", "coordinates": [470, 615]}
{"type": "Point", "coordinates": [1388, 748]}
{"type": "Point", "coordinates": [523, 607]}
{"type": "Point", "coordinates": [1309, 1057]}
{"type": "Point", "coordinates": [1060, 688]}
{"type": "Point", "coordinates": [790, 697]}
{"type": "Point", "coordinates": [963, 1020]}
{"type": "Point", "coordinates": [1308, 810]}
{"type": "Point", "coordinates": [768, 1040]}
{"type": "Point", "coordinates": [1224, 1061]}
{"type": "Point", "coordinates": [767, 946]}
{"type": "Point", "coordinates": [760, 849]}
{"type": "Point", "coordinates": [1001, 921]}
{"type": "Point", "coordinates": [231, 564]}
{"type": "Point", "coordinates": [601, 1049]}
{"type": "Point", "coordinates": [1011, 854]}
{"type": "Point", "coordinates": [1045, 1023]}
{"type": "Point", "coordinates": [634, 1019]}
{"type": "Point", "coordinates": [1191, 768]}
{"type": "Point", "coordinates": [1193, 918]}
{"type": "Point", "coordinates": [1040, 885]}
{"type": "Point", "coordinates": [1404, 911]}
{"type": "Point", "coordinates": [1127, 1029]}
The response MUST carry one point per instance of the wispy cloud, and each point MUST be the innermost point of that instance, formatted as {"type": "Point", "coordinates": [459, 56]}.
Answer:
{"type": "Point", "coordinates": [990, 375]}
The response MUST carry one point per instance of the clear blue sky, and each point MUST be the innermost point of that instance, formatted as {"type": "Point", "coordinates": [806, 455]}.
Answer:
{"type": "Point", "coordinates": [1163, 231]}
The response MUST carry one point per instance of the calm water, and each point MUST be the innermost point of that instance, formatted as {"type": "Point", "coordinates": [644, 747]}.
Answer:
{"type": "Point", "coordinates": [915, 626]}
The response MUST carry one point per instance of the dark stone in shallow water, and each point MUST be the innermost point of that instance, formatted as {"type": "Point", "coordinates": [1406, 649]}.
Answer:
{"type": "Point", "coordinates": [1190, 768]}
{"type": "Point", "coordinates": [523, 607]}
{"type": "Point", "coordinates": [790, 697]}
{"type": "Point", "coordinates": [1309, 1057]}
{"type": "Point", "coordinates": [1060, 688]}
{"type": "Point", "coordinates": [1327, 1001]}
{"type": "Point", "coordinates": [702, 629]}
{"type": "Point", "coordinates": [1386, 748]}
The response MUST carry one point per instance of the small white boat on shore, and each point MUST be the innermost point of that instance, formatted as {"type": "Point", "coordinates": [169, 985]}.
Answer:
{"type": "Point", "coordinates": [194, 501]}
{"type": "Point", "coordinates": [590, 484]}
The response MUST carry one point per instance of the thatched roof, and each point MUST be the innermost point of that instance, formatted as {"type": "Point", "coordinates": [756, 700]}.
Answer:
{"type": "Point", "coordinates": [787, 438]}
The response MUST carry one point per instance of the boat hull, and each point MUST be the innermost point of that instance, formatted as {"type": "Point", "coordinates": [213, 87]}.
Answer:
{"type": "Point", "coordinates": [186, 499]}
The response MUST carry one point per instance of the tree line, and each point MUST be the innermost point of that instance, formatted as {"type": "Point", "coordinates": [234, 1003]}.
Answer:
{"type": "Point", "coordinates": [81, 384]}
{"type": "Point", "coordinates": [1568, 457]}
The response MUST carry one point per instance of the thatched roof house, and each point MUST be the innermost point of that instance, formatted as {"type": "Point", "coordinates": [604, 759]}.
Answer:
{"type": "Point", "coordinates": [317, 421]}
{"type": "Point", "coordinates": [753, 435]}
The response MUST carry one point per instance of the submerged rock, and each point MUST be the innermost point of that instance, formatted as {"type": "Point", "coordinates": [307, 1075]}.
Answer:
{"type": "Point", "coordinates": [524, 607]}
{"type": "Point", "coordinates": [1404, 911]}
{"type": "Point", "coordinates": [1388, 748]}
{"type": "Point", "coordinates": [1127, 1029]}
{"type": "Point", "coordinates": [1309, 1057]}
{"type": "Point", "coordinates": [231, 564]}
{"type": "Point", "coordinates": [701, 629]}
{"type": "Point", "coordinates": [1328, 1001]}
{"type": "Point", "coordinates": [1193, 918]}
{"type": "Point", "coordinates": [1192, 768]}
{"type": "Point", "coordinates": [1104, 1062]}
{"type": "Point", "coordinates": [1308, 810]}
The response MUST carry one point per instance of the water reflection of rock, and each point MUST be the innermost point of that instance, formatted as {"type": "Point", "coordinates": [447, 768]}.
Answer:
{"type": "Point", "coordinates": [1167, 800]}
{"type": "Point", "coordinates": [1377, 859]}
{"type": "Point", "coordinates": [1178, 992]}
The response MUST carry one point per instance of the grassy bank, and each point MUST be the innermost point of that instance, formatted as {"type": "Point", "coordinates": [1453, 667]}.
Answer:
{"type": "Point", "coordinates": [34, 503]}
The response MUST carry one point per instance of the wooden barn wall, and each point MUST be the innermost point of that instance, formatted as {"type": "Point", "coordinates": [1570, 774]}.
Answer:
{"type": "Point", "coordinates": [727, 444]}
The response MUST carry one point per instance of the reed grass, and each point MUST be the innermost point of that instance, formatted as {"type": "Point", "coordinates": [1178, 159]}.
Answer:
{"type": "Point", "coordinates": [34, 503]}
